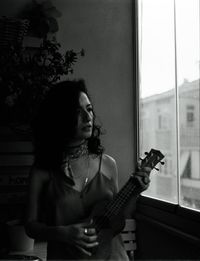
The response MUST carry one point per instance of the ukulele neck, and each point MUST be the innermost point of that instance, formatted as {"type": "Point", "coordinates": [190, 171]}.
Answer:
{"type": "Point", "coordinates": [115, 206]}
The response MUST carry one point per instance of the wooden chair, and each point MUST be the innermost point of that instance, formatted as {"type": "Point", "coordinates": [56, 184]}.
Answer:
{"type": "Point", "coordinates": [129, 239]}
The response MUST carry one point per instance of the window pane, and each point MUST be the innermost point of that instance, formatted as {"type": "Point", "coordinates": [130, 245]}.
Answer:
{"type": "Point", "coordinates": [157, 92]}
{"type": "Point", "coordinates": [188, 56]}
{"type": "Point", "coordinates": [162, 76]}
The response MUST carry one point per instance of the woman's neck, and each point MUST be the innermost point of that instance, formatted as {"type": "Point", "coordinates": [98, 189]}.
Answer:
{"type": "Point", "coordinates": [75, 143]}
{"type": "Point", "coordinates": [75, 150]}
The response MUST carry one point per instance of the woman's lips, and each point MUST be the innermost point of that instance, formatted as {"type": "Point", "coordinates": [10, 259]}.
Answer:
{"type": "Point", "coordinates": [87, 128]}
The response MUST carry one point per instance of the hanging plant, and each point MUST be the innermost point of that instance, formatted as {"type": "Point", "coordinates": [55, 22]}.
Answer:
{"type": "Point", "coordinates": [26, 77]}
{"type": "Point", "coordinates": [43, 18]}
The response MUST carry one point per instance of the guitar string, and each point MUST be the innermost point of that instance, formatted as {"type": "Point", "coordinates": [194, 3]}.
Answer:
{"type": "Point", "coordinates": [121, 198]}
{"type": "Point", "coordinates": [103, 220]}
{"type": "Point", "coordinates": [114, 208]}
{"type": "Point", "coordinates": [123, 195]}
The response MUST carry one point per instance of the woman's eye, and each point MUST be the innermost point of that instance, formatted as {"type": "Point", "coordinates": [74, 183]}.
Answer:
{"type": "Point", "coordinates": [90, 109]}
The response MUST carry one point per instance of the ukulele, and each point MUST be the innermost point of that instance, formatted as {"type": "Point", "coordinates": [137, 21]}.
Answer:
{"type": "Point", "coordinates": [107, 218]}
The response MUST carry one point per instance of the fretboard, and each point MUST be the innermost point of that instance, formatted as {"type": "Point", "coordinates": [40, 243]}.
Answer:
{"type": "Point", "coordinates": [114, 207]}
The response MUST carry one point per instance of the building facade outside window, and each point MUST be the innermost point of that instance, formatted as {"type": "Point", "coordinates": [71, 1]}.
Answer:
{"type": "Point", "coordinates": [169, 72]}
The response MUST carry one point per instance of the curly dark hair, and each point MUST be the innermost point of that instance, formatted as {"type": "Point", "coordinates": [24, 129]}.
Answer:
{"type": "Point", "coordinates": [55, 123]}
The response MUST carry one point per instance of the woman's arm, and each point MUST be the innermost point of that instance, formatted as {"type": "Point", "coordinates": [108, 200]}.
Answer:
{"type": "Point", "coordinates": [72, 234]}
{"type": "Point", "coordinates": [34, 227]}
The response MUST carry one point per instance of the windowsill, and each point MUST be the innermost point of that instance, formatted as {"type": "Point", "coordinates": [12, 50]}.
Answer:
{"type": "Point", "coordinates": [175, 219]}
{"type": "Point", "coordinates": [194, 183]}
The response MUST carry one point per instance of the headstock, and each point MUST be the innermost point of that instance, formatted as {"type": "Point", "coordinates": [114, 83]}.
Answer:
{"type": "Point", "coordinates": [153, 157]}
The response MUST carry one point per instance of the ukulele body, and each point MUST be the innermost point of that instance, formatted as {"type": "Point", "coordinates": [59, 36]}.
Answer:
{"type": "Point", "coordinates": [110, 227]}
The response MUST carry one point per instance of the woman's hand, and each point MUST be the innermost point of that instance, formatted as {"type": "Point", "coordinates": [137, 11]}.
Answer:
{"type": "Point", "coordinates": [142, 177]}
{"type": "Point", "coordinates": [81, 235]}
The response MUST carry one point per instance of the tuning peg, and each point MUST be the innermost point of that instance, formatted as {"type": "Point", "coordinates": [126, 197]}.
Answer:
{"type": "Point", "coordinates": [162, 163]}
{"type": "Point", "coordinates": [156, 169]}
{"type": "Point", "coordinates": [146, 153]}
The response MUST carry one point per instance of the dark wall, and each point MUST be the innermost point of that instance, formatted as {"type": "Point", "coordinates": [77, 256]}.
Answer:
{"type": "Point", "coordinates": [104, 29]}
{"type": "Point", "coordinates": [156, 243]}
{"type": "Point", "coordinates": [166, 231]}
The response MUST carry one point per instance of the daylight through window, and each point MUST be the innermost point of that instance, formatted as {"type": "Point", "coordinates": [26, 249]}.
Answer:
{"type": "Point", "coordinates": [169, 79]}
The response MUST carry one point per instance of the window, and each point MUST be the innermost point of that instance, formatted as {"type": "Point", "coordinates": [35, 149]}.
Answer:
{"type": "Point", "coordinates": [169, 81]}
{"type": "Point", "coordinates": [190, 115]}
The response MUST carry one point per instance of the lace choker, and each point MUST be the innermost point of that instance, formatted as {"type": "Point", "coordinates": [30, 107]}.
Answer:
{"type": "Point", "coordinates": [76, 151]}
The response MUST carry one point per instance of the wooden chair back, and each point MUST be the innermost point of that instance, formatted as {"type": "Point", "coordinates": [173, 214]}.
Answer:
{"type": "Point", "coordinates": [129, 238]}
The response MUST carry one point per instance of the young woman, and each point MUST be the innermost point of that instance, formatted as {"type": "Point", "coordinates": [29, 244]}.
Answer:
{"type": "Point", "coordinates": [71, 177]}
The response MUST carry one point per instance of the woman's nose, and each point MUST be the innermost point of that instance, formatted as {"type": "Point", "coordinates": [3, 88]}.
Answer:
{"type": "Point", "coordinates": [86, 116]}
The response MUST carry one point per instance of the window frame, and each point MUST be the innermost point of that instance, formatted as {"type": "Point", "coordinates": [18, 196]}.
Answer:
{"type": "Point", "coordinates": [181, 221]}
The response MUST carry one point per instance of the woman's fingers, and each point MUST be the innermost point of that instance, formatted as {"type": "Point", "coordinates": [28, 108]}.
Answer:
{"type": "Point", "coordinates": [144, 169]}
{"type": "Point", "coordinates": [139, 167]}
{"type": "Point", "coordinates": [84, 251]}
{"type": "Point", "coordinates": [143, 179]}
{"type": "Point", "coordinates": [90, 238]}
{"type": "Point", "coordinates": [147, 169]}
{"type": "Point", "coordinates": [87, 244]}
{"type": "Point", "coordinates": [89, 231]}
{"type": "Point", "coordinates": [141, 174]}
{"type": "Point", "coordinates": [146, 180]}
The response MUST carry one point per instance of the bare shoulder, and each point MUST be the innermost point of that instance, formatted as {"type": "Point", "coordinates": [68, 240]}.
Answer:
{"type": "Point", "coordinates": [109, 166]}
{"type": "Point", "coordinates": [37, 181]}
{"type": "Point", "coordinates": [39, 175]}
{"type": "Point", "coordinates": [108, 160]}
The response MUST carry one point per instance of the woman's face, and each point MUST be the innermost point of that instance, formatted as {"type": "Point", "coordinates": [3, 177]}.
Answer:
{"type": "Point", "coordinates": [85, 118]}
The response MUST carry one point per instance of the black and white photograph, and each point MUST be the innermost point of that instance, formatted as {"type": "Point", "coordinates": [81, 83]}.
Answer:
{"type": "Point", "coordinates": [100, 130]}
